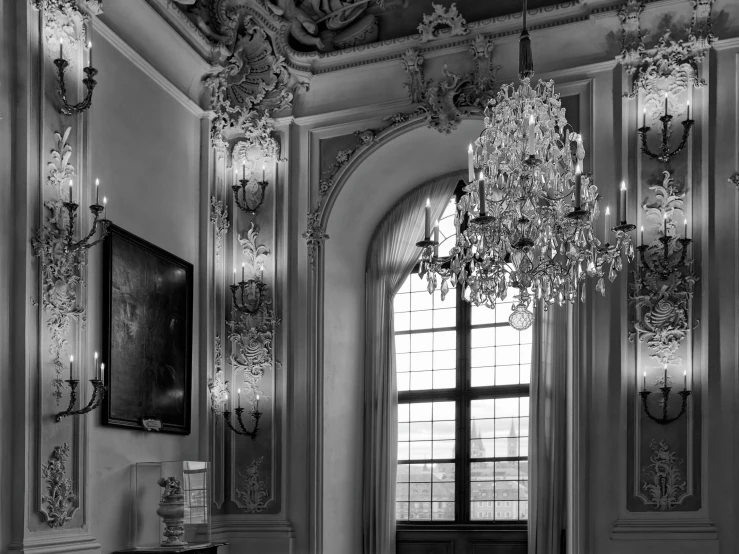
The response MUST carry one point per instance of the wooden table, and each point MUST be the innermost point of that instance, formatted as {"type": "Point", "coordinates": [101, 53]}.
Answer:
{"type": "Point", "coordinates": [211, 548]}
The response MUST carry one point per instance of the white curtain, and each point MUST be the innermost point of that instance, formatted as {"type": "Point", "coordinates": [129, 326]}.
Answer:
{"type": "Point", "coordinates": [391, 257]}
{"type": "Point", "coordinates": [548, 430]}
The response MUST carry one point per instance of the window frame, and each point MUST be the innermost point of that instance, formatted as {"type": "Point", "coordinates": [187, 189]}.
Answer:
{"type": "Point", "coordinates": [463, 394]}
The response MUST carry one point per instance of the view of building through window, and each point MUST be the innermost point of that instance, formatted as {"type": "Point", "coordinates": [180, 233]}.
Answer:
{"type": "Point", "coordinates": [460, 363]}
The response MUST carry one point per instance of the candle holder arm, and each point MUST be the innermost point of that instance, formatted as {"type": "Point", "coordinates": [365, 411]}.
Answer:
{"type": "Point", "coordinates": [88, 81]}
{"type": "Point", "coordinates": [98, 394]}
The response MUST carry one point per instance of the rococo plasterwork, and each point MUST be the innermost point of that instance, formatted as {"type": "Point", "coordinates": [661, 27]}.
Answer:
{"type": "Point", "coordinates": [59, 502]}
{"type": "Point", "coordinates": [662, 479]}
{"type": "Point", "coordinates": [61, 268]}
{"type": "Point", "coordinates": [670, 65]}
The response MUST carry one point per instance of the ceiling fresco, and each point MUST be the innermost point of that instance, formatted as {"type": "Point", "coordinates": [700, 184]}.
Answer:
{"type": "Point", "coordinates": [328, 25]}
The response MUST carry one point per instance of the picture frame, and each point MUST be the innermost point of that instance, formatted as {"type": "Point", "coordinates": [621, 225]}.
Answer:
{"type": "Point", "coordinates": [147, 335]}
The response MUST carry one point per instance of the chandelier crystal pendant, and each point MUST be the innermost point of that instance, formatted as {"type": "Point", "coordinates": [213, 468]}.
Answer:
{"type": "Point", "coordinates": [527, 218]}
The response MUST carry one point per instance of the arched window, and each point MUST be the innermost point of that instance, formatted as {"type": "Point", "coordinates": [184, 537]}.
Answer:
{"type": "Point", "coordinates": [463, 384]}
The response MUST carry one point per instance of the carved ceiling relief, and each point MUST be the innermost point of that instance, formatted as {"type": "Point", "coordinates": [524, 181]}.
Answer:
{"type": "Point", "coordinates": [321, 25]}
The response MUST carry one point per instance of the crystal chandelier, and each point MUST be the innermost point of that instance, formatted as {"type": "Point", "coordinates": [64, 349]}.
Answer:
{"type": "Point", "coordinates": [526, 218]}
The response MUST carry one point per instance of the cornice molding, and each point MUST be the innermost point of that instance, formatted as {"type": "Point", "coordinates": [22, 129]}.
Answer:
{"type": "Point", "coordinates": [135, 58]}
{"type": "Point", "coordinates": [726, 43]}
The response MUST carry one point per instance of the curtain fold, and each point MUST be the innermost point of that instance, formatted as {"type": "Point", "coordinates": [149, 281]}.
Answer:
{"type": "Point", "coordinates": [548, 429]}
{"type": "Point", "coordinates": [391, 256]}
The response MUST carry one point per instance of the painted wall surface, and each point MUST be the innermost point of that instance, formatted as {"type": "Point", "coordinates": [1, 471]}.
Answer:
{"type": "Point", "coordinates": [146, 153]}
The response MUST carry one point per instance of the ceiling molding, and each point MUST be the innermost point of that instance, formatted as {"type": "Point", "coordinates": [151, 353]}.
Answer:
{"type": "Point", "coordinates": [136, 59]}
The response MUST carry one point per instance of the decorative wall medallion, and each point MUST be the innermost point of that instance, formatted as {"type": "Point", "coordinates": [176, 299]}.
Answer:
{"type": "Point", "coordinates": [253, 489]}
{"type": "Point", "coordinates": [219, 219]}
{"type": "Point", "coordinates": [218, 386]}
{"type": "Point", "coordinates": [60, 500]}
{"type": "Point", "coordinates": [663, 282]}
{"type": "Point", "coordinates": [413, 62]}
{"type": "Point", "coordinates": [442, 17]}
{"type": "Point", "coordinates": [662, 479]}
{"type": "Point", "coordinates": [60, 267]}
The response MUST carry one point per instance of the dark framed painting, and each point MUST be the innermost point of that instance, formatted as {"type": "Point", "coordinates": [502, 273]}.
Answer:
{"type": "Point", "coordinates": [148, 300]}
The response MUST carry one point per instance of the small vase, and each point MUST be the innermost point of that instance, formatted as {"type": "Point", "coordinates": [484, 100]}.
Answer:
{"type": "Point", "coordinates": [172, 511]}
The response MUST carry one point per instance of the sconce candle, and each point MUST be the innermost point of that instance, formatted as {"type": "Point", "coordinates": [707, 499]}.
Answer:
{"type": "Point", "coordinates": [61, 49]}
{"type": "Point", "coordinates": [70, 191]}
{"type": "Point", "coordinates": [97, 370]}
{"type": "Point", "coordinates": [239, 395]}
{"type": "Point", "coordinates": [642, 235]}
{"type": "Point", "coordinates": [243, 170]}
{"type": "Point", "coordinates": [688, 109]}
{"type": "Point", "coordinates": [89, 49]}
{"type": "Point", "coordinates": [257, 406]}
{"type": "Point", "coordinates": [644, 118]}
{"type": "Point", "coordinates": [685, 380]}
{"type": "Point", "coordinates": [685, 228]}
{"type": "Point", "coordinates": [664, 224]}
{"type": "Point", "coordinates": [264, 169]}
{"type": "Point", "coordinates": [71, 362]}
{"type": "Point", "coordinates": [97, 191]}
{"type": "Point", "coordinates": [234, 276]}
{"type": "Point", "coordinates": [622, 204]}
{"type": "Point", "coordinates": [665, 375]}
{"type": "Point", "coordinates": [665, 103]}
{"type": "Point", "coordinates": [105, 208]}
{"type": "Point", "coordinates": [102, 372]}
{"type": "Point", "coordinates": [644, 382]}
{"type": "Point", "coordinates": [243, 269]}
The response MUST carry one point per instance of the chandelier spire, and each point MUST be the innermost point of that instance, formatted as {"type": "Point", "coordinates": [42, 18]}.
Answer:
{"type": "Point", "coordinates": [526, 220]}
{"type": "Point", "coordinates": [525, 55]}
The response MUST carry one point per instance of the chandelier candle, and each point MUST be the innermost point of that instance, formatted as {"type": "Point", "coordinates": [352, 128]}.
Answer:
{"type": "Point", "coordinates": [97, 191]}
{"type": "Point", "coordinates": [622, 204]}
{"type": "Point", "coordinates": [578, 186]}
{"type": "Point", "coordinates": [436, 239]}
{"type": "Point", "coordinates": [481, 194]}
{"type": "Point", "coordinates": [470, 164]}
{"type": "Point", "coordinates": [608, 222]}
{"type": "Point", "coordinates": [531, 147]}
{"type": "Point", "coordinates": [427, 221]}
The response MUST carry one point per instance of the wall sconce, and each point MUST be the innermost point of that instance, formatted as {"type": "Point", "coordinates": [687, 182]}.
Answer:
{"type": "Point", "coordinates": [665, 154]}
{"type": "Point", "coordinates": [96, 209]}
{"type": "Point", "coordinates": [97, 394]}
{"type": "Point", "coordinates": [252, 292]}
{"type": "Point", "coordinates": [255, 415]}
{"type": "Point", "coordinates": [252, 193]}
{"type": "Point", "coordinates": [665, 419]}
{"type": "Point", "coordinates": [89, 82]}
